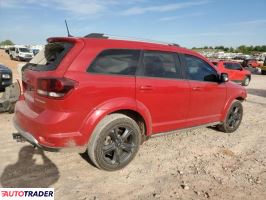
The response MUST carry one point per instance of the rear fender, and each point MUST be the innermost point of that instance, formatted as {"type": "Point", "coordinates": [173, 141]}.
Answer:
{"type": "Point", "coordinates": [111, 106]}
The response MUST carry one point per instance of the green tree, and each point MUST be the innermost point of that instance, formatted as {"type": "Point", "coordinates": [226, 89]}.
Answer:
{"type": "Point", "coordinates": [6, 42]}
{"type": "Point", "coordinates": [242, 49]}
{"type": "Point", "coordinates": [231, 49]}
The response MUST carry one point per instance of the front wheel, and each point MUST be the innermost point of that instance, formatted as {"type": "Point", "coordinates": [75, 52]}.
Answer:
{"type": "Point", "coordinates": [233, 118]}
{"type": "Point", "coordinates": [114, 142]}
{"type": "Point", "coordinates": [246, 81]}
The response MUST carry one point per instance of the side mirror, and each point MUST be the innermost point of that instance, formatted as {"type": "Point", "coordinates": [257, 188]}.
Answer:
{"type": "Point", "coordinates": [224, 77]}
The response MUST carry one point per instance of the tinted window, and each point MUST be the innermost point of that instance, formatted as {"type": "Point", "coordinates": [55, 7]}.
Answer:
{"type": "Point", "coordinates": [116, 61]}
{"type": "Point", "coordinates": [198, 69]}
{"type": "Point", "coordinates": [160, 64]}
{"type": "Point", "coordinates": [233, 66]}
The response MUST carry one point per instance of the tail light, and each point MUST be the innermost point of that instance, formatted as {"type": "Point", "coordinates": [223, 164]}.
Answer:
{"type": "Point", "coordinates": [55, 87]}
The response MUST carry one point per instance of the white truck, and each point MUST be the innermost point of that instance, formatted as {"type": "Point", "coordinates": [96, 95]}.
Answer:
{"type": "Point", "coordinates": [20, 53]}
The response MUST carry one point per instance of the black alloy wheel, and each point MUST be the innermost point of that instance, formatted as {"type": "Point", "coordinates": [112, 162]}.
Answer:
{"type": "Point", "coordinates": [233, 118]}
{"type": "Point", "coordinates": [114, 142]}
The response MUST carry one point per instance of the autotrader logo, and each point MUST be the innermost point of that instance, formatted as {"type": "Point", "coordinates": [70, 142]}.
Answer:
{"type": "Point", "coordinates": [27, 193]}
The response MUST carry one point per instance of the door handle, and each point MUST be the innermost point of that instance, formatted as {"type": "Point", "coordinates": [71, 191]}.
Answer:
{"type": "Point", "coordinates": [145, 87]}
{"type": "Point", "coordinates": [196, 88]}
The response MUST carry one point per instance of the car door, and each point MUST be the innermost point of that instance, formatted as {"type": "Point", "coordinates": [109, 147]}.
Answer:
{"type": "Point", "coordinates": [207, 96]}
{"type": "Point", "coordinates": [161, 89]}
{"type": "Point", "coordinates": [234, 71]}
{"type": "Point", "coordinates": [240, 74]}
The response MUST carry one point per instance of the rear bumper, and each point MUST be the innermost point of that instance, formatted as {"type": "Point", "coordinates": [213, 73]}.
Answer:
{"type": "Point", "coordinates": [25, 136]}
{"type": "Point", "coordinates": [48, 130]}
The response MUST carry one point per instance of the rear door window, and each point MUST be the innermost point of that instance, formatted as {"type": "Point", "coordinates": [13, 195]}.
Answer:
{"type": "Point", "coordinates": [49, 57]}
{"type": "Point", "coordinates": [160, 64]}
{"type": "Point", "coordinates": [116, 61]}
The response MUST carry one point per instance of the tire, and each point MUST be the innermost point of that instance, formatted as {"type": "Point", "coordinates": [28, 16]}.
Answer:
{"type": "Point", "coordinates": [233, 118]}
{"type": "Point", "coordinates": [114, 142]}
{"type": "Point", "coordinates": [263, 72]}
{"type": "Point", "coordinates": [246, 81]}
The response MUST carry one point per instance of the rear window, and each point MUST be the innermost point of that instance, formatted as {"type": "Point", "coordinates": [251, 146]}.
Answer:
{"type": "Point", "coordinates": [49, 57]}
{"type": "Point", "coordinates": [116, 61]}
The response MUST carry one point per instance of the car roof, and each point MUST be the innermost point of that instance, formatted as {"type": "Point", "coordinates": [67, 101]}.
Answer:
{"type": "Point", "coordinates": [225, 61]}
{"type": "Point", "coordinates": [127, 44]}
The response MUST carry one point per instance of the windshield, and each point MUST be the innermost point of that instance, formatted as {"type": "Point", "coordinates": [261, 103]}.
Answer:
{"type": "Point", "coordinates": [49, 57]}
{"type": "Point", "coordinates": [24, 50]}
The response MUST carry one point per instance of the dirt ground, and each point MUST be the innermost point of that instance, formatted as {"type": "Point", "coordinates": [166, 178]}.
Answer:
{"type": "Point", "coordinates": [196, 164]}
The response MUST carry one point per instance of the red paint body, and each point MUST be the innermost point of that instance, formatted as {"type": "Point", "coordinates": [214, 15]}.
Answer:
{"type": "Point", "coordinates": [164, 104]}
{"type": "Point", "coordinates": [253, 63]}
{"type": "Point", "coordinates": [237, 75]}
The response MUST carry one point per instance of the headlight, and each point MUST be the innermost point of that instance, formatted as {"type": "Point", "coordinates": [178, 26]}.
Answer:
{"type": "Point", "coordinates": [6, 76]}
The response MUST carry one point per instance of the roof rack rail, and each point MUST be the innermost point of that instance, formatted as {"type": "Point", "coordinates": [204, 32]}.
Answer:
{"type": "Point", "coordinates": [174, 44]}
{"type": "Point", "coordinates": [105, 36]}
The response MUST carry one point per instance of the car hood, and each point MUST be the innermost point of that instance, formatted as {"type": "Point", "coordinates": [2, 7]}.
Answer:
{"type": "Point", "coordinates": [4, 69]}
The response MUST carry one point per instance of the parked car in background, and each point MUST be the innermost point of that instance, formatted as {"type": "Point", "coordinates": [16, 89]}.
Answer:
{"type": "Point", "coordinates": [5, 77]}
{"type": "Point", "coordinates": [35, 51]}
{"type": "Point", "coordinates": [105, 96]}
{"type": "Point", "coordinates": [251, 63]}
{"type": "Point", "coordinates": [20, 53]}
{"type": "Point", "coordinates": [234, 70]}
{"type": "Point", "coordinates": [263, 68]}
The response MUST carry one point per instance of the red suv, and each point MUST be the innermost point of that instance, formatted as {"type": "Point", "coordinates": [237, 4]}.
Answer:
{"type": "Point", "coordinates": [107, 95]}
{"type": "Point", "coordinates": [251, 63]}
{"type": "Point", "coordinates": [234, 70]}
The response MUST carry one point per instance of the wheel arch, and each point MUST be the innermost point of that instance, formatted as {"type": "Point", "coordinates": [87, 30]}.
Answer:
{"type": "Point", "coordinates": [229, 103]}
{"type": "Point", "coordinates": [126, 106]}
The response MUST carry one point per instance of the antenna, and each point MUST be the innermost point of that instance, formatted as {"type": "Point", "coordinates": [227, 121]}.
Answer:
{"type": "Point", "coordinates": [68, 34]}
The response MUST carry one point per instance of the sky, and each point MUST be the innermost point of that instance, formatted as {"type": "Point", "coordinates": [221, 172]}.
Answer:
{"type": "Point", "coordinates": [190, 23]}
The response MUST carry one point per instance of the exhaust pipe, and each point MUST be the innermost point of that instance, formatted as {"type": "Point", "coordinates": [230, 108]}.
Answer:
{"type": "Point", "coordinates": [18, 137]}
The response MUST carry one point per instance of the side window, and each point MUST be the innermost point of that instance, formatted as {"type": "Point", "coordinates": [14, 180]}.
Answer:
{"type": "Point", "coordinates": [199, 70]}
{"type": "Point", "coordinates": [160, 64]}
{"type": "Point", "coordinates": [116, 61]}
{"type": "Point", "coordinates": [233, 66]}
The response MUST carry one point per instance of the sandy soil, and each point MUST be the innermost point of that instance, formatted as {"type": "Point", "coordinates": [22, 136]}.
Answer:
{"type": "Point", "coordinates": [197, 164]}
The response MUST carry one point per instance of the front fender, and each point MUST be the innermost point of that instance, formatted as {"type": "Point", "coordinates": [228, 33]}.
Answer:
{"type": "Point", "coordinates": [239, 95]}
{"type": "Point", "coordinates": [110, 106]}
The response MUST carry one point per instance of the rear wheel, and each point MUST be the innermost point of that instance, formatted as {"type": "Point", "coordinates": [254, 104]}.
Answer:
{"type": "Point", "coordinates": [114, 142]}
{"type": "Point", "coordinates": [233, 118]}
{"type": "Point", "coordinates": [246, 81]}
